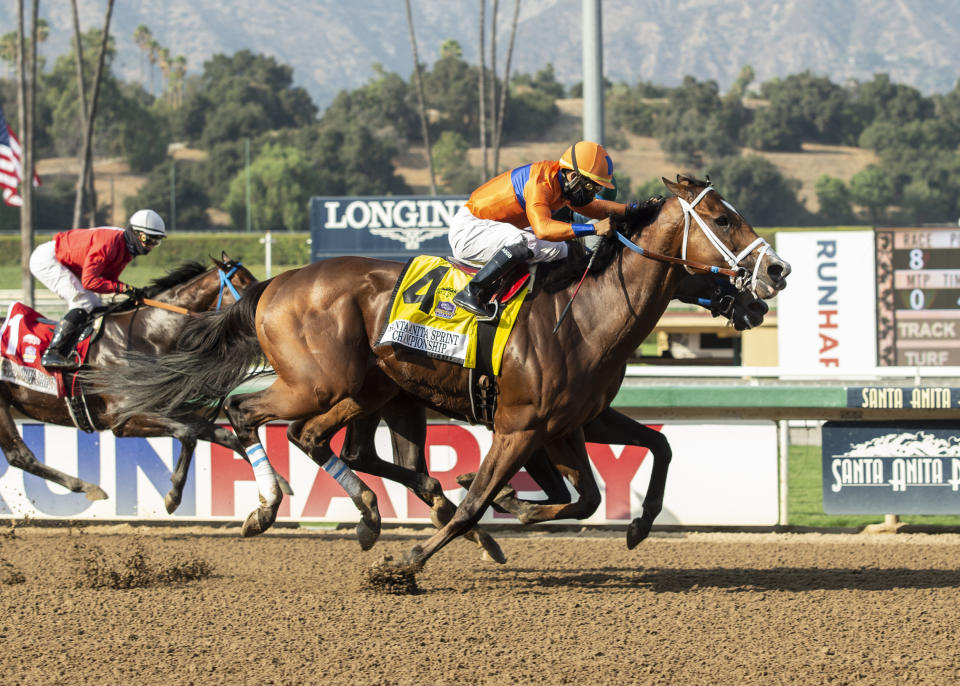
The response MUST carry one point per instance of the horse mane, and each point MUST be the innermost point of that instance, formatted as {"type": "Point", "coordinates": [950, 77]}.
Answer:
{"type": "Point", "coordinates": [560, 275]}
{"type": "Point", "coordinates": [175, 277]}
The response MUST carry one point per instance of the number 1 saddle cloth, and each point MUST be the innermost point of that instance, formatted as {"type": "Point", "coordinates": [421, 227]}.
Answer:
{"type": "Point", "coordinates": [424, 319]}
{"type": "Point", "coordinates": [24, 337]}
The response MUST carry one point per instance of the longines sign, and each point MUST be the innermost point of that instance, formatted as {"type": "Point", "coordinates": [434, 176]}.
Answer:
{"type": "Point", "coordinates": [390, 227]}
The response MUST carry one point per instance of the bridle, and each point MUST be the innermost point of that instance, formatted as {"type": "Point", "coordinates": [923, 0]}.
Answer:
{"type": "Point", "coordinates": [225, 284]}
{"type": "Point", "coordinates": [738, 275]}
{"type": "Point", "coordinates": [732, 260]}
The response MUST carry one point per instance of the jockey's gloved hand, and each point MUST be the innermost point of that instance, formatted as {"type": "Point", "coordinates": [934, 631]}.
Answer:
{"type": "Point", "coordinates": [135, 294]}
{"type": "Point", "coordinates": [636, 209]}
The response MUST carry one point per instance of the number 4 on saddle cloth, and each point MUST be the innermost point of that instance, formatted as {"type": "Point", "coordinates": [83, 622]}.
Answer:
{"type": "Point", "coordinates": [24, 337]}
{"type": "Point", "coordinates": [423, 317]}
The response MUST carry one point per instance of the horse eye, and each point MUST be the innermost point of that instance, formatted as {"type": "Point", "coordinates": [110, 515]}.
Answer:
{"type": "Point", "coordinates": [722, 220]}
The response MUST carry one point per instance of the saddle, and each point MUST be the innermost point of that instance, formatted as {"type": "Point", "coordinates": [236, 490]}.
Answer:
{"type": "Point", "coordinates": [24, 337]}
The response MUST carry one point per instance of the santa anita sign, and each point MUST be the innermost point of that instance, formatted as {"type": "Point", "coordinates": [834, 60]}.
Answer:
{"type": "Point", "coordinates": [703, 488]}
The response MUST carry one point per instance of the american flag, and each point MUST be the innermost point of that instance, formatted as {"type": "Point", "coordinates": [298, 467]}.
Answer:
{"type": "Point", "coordinates": [11, 171]}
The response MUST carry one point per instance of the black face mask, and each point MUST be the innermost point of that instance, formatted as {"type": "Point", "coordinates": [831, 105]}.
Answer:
{"type": "Point", "coordinates": [133, 242]}
{"type": "Point", "coordinates": [575, 193]}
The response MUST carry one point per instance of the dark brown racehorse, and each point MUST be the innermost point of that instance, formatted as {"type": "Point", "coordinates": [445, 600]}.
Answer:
{"type": "Point", "coordinates": [317, 326]}
{"type": "Point", "coordinates": [407, 419]}
{"type": "Point", "coordinates": [192, 287]}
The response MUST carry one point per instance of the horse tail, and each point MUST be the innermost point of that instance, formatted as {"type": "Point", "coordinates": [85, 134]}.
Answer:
{"type": "Point", "coordinates": [216, 352]}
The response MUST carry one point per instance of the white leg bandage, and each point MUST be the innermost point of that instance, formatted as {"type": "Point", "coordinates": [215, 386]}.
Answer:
{"type": "Point", "coordinates": [264, 474]}
{"type": "Point", "coordinates": [344, 476]}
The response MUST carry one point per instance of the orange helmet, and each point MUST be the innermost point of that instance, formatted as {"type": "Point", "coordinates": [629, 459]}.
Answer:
{"type": "Point", "coordinates": [590, 160]}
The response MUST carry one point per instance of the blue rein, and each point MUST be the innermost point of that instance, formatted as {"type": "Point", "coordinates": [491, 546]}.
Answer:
{"type": "Point", "coordinates": [225, 283]}
{"type": "Point", "coordinates": [640, 251]}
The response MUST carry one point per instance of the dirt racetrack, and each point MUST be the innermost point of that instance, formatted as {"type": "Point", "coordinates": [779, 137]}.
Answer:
{"type": "Point", "coordinates": [291, 607]}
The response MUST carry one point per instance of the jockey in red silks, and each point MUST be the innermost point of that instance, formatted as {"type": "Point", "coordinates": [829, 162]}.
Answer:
{"type": "Point", "coordinates": [508, 220]}
{"type": "Point", "coordinates": [80, 263]}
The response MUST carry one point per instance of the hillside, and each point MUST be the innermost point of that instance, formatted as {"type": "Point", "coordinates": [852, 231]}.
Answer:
{"type": "Point", "coordinates": [643, 158]}
{"type": "Point", "coordinates": [332, 45]}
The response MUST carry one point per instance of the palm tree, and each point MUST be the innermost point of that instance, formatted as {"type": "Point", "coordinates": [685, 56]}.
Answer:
{"type": "Point", "coordinates": [498, 129]}
{"type": "Point", "coordinates": [179, 68]}
{"type": "Point", "coordinates": [152, 48]}
{"type": "Point", "coordinates": [142, 36]}
{"type": "Point", "coordinates": [163, 59]}
{"type": "Point", "coordinates": [8, 51]}
{"type": "Point", "coordinates": [425, 131]}
{"type": "Point", "coordinates": [86, 154]}
{"type": "Point", "coordinates": [482, 97]}
{"type": "Point", "coordinates": [493, 74]}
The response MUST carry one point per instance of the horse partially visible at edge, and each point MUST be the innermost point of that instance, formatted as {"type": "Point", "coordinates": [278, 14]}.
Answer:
{"type": "Point", "coordinates": [317, 327]}
{"type": "Point", "coordinates": [193, 288]}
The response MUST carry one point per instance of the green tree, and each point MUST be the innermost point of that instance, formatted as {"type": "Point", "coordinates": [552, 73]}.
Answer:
{"type": "Point", "coordinates": [450, 161]}
{"type": "Point", "coordinates": [697, 124]}
{"type": "Point", "coordinates": [192, 200]}
{"type": "Point", "coordinates": [244, 95]}
{"type": "Point", "coordinates": [282, 179]}
{"type": "Point", "coordinates": [834, 200]}
{"type": "Point", "coordinates": [757, 189]}
{"type": "Point", "coordinates": [873, 189]}
{"type": "Point", "coordinates": [803, 107]}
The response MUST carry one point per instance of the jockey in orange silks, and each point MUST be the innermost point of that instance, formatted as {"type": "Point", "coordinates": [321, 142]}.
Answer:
{"type": "Point", "coordinates": [508, 220]}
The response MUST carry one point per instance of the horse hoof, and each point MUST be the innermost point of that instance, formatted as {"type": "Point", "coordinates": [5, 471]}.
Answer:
{"type": "Point", "coordinates": [366, 535]}
{"type": "Point", "coordinates": [412, 560]}
{"type": "Point", "coordinates": [284, 484]}
{"type": "Point", "coordinates": [259, 520]}
{"type": "Point", "coordinates": [95, 493]}
{"type": "Point", "coordinates": [638, 530]}
{"type": "Point", "coordinates": [171, 503]}
{"type": "Point", "coordinates": [441, 513]}
{"type": "Point", "coordinates": [491, 549]}
{"type": "Point", "coordinates": [386, 576]}
{"type": "Point", "coordinates": [466, 479]}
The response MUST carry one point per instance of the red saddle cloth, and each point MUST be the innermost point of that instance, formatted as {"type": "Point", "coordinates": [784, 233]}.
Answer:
{"type": "Point", "coordinates": [24, 337]}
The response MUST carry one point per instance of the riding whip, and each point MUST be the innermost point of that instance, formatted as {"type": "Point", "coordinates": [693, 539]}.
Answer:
{"type": "Point", "coordinates": [567, 308]}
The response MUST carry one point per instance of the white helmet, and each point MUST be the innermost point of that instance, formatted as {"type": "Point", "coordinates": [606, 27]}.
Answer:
{"type": "Point", "coordinates": [149, 222]}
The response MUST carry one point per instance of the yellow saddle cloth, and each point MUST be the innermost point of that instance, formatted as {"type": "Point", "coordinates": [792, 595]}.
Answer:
{"type": "Point", "coordinates": [423, 317]}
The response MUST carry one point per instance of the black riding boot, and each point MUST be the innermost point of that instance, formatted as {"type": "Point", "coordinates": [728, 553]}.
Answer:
{"type": "Point", "coordinates": [58, 355]}
{"type": "Point", "coordinates": [476, 296]}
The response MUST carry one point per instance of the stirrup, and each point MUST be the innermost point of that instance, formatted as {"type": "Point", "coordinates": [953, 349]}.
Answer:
{"type": "Point", "coordinates": [490, 317]}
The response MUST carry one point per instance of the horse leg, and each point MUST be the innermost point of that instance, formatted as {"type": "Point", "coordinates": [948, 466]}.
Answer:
{"type": "Point", "coordinates": [542, 471]}
{"type": "Point", "coordinates": [408, 432]}
{"type": "Point", "coordinates": [247, 412]}
{"type": "Point", "coordinates": [569, 454]}
{"type": "Point", "coordinates": [19, 455]}
{"type": "Point", "coordinates": [612, 427]}
{"type": "Point", "coordinates": [507, 454]}
{"type": "Point", "coordinates": [365, 500]}
{"type": "Point", "coordinates": [210, 432]}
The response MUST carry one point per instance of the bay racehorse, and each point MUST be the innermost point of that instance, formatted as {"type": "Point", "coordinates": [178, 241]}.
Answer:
{"type": "Point", "coordinates": [191, 288]}
{"type": "Point", "coordinates": [317, 327]}
{"type": "Point", "coordinates": [406, 419]}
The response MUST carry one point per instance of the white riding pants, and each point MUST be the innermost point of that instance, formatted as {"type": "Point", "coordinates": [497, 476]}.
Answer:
{"type": "Point", "coordinates": [59, 279]}
{"type": "Point", "coordinates": [478, 240]}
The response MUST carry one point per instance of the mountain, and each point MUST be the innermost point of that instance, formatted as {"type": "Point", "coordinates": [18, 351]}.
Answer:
{"type": "Point", "coordinates": [333, 45]}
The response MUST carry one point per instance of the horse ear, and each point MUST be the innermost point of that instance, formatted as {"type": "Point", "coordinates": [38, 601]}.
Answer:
{"type": "Point", "coordinates": [681, 188]}
{"type": "Point", "coordinates": [217, 262]}
{"type": "Point", "coordinates": [224, 257]}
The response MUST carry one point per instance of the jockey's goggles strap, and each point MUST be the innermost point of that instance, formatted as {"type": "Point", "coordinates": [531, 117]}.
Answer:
{"type": "Point", "coordinates": [226, 283]}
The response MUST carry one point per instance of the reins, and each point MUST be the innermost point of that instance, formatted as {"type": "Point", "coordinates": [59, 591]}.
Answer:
{"type": "Point", "coordinates": [225, 283]}
{"type": "Point", "coordinates": [736, 273]}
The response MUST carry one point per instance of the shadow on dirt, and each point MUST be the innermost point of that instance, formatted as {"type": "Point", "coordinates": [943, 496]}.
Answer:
{"type": "Point", "coordinates": [667, 580]}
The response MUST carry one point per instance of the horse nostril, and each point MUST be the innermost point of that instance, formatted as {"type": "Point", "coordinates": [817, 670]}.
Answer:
{"type": "Point", "coordinates": [776, 272]}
